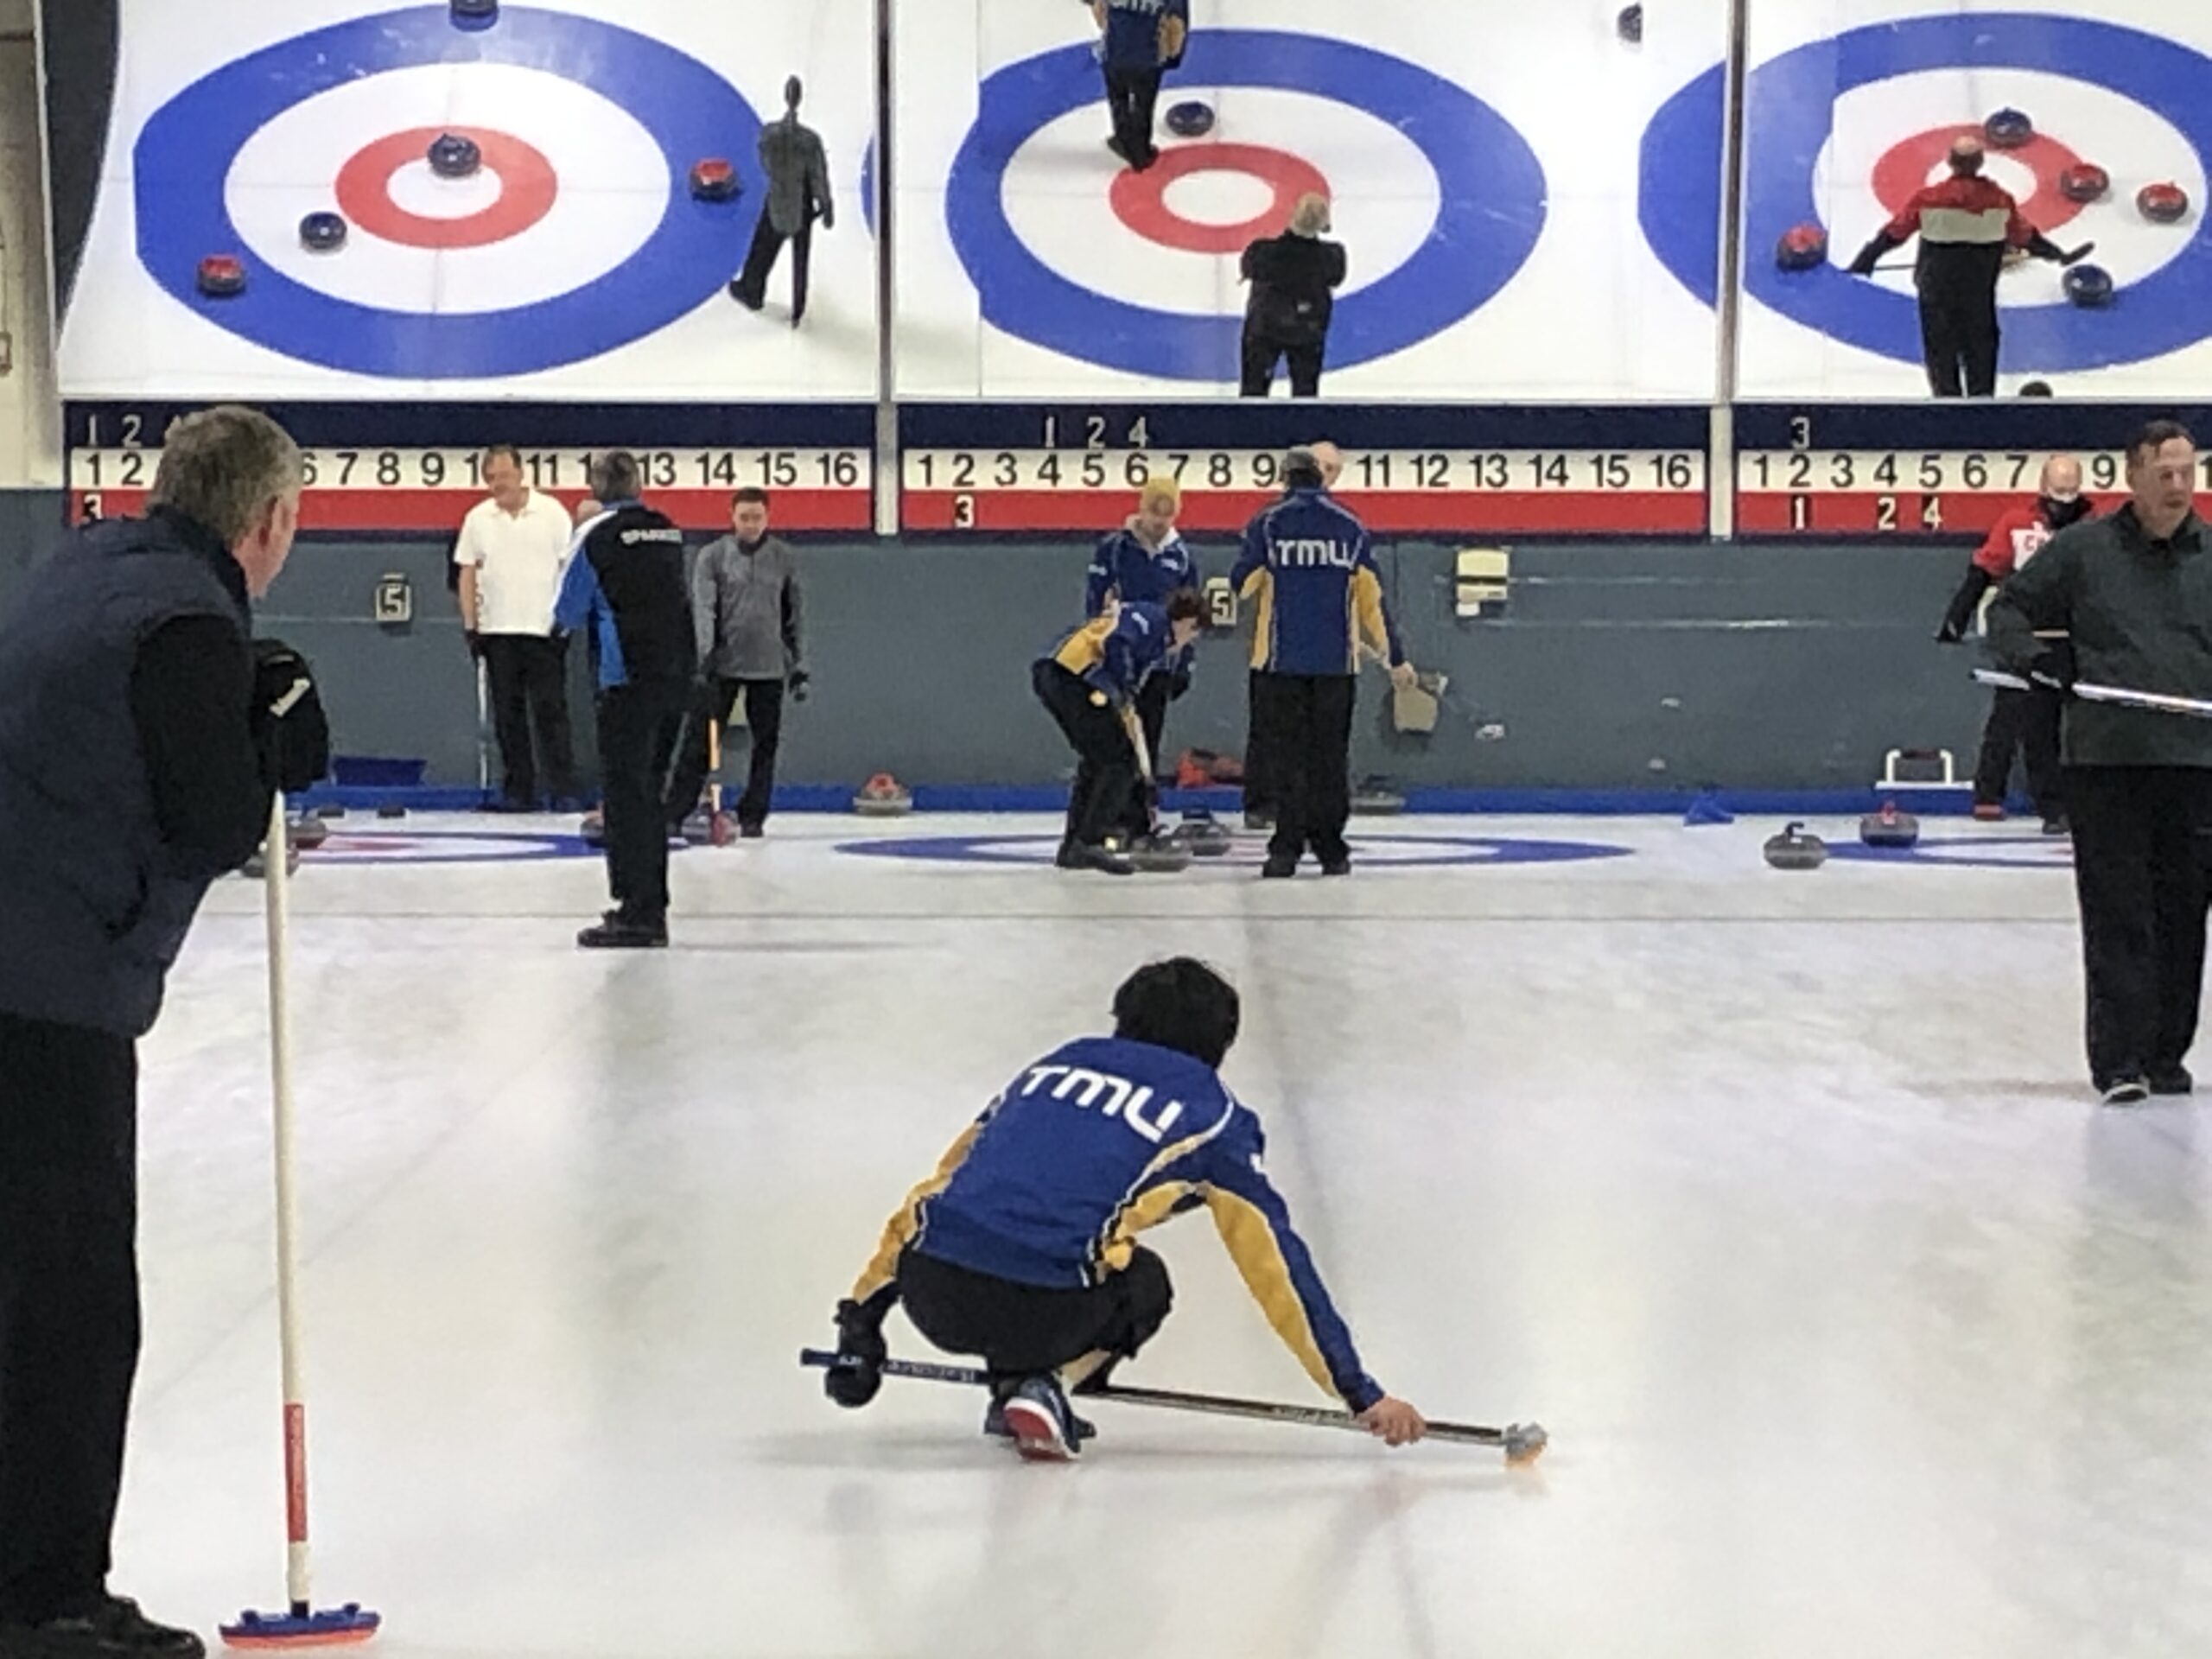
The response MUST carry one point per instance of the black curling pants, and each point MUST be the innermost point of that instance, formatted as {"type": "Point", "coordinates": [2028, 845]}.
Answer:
{"type": "Point", "coordinates": [1152, 701]}
{"type": "Point", "coordinates": [1133, 95]}
{"type": "Point", "coordinates": [528, 680]}
{"type": "Point", "coordinates": [1262, 352]}
{"type": "Point", "coordinates": [763, 721]}
{"type": "Point", "coordinates": [1959, 333]}
{"type": "Point", "coordinates": [1019, 1330]}
{"type": "Point", "coordinates": [639, 727]}
{"type": "Point", "coordinates": [68, 1307]}
{"type": "Point", "coordinates": [1106, 769]}
{"type": "Point", "coordinates": [752, 285]}
{"type": "Point", "coordinates": [1303, 724]}
{"type": "Point", "coordinates": [2140, 843]}
{"type": "Point", "coordinates": [2026, 723]}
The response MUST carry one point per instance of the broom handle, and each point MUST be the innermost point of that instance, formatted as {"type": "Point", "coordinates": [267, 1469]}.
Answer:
{"type": "Point", "coordinates": [277, 855]}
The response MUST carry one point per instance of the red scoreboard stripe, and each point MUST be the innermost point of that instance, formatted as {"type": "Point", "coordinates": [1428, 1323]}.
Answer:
{"type": "Point", "coordinates": [441, 511]}
{"type": "Point", "coordinates": [1627, 513]}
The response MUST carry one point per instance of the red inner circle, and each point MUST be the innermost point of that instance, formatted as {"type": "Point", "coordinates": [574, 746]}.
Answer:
{"type": "Point", "coordinates": [1904, 171]}
{"type": "Point", "coordinates": [527, 188]}
{"type": "Point", "coordinates": [1140, 198]}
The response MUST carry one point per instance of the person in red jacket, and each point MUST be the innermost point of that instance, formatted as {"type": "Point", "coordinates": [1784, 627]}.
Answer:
{"type": "Point", "coordinates": [1965, 224]}
{"type": "Point", "coordinates": [2027, 722]}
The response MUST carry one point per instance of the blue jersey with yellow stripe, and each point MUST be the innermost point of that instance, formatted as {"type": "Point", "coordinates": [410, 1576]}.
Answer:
{"type": "Point", "coordinates": [1118, 652]}
{"type": "Point", "coordinates": [1309, 570]}
{"type": "Point", "coordinates": [1087, 1149]}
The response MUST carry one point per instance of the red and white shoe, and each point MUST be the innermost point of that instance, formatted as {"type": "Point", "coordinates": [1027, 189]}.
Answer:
{"type": "Point", "coordinates": [1042, 1423]}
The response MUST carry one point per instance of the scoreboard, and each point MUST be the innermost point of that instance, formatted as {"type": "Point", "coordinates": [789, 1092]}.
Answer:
{"type": "Point", "coordinates": [1447, 471]}
{"type": "Point", "coordinates": [417, 468]}
{"type": "Point", "coordinates": [1928, 472]}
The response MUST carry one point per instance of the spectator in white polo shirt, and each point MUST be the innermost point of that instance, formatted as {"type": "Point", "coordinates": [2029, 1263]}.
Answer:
{"type": "Point", "coordinates": [512, 553]}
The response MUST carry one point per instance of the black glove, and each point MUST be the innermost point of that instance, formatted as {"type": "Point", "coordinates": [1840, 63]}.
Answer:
{"type": "Point", "coordinates": [858, 1377]}
{"type": "Point", "coordinates": [797, 681]}
{"type": "Point", "coordinates": [289, 725]}
{"type": "Point", "coordinates": [1871, 255]}
{"type": "Point", "coordinates": [475, 643]}
{"type": "Point", "coordinates": [2054, 669]}
{"type": "Point", "coordinates": [1962, 606]}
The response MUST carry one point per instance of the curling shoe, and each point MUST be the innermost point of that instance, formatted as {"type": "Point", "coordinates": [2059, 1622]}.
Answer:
{"type": "Point", "coordinates": [996, 1428]}
{"type": "Point", "coordinates": [1042, 1423]}
{"type": "Point", "coordinates": [112, 1628]}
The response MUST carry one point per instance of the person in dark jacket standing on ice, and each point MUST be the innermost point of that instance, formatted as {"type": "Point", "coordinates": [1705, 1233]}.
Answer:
{"type": "Point", "coordinates": [798, 194]}
{"type": "Point", "coordinates": [1295, 277]}
{"type": "Point", "coordinates": [1139, 41]}
{"type": "Point", "coordinates": [2133, 593]}
{"type": "Point", "coordinates": [1965, 224]}
{"type": "Point", "coordinates": [140, 747]}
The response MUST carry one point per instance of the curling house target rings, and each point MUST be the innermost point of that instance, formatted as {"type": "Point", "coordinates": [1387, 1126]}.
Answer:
{"type": "Point", "coordinates": [1140, 198]}
{"type": "Point", "coordinates": [1790, 112]}
{"type": "Point", "coordinates": [185, 152]}
{"type": "Point", "coordinates": [527, 189]}
{"type": "Point", "coordinates": [1492, 186]}
{"type": "Point", "coordinates": [1376, 852]}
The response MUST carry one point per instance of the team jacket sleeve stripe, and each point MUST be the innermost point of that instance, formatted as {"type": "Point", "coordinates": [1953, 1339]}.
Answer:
{"type": "Point", "coordinates": [904, 1228]}
{"type": "Point", "coordinates": [1279, 1273]}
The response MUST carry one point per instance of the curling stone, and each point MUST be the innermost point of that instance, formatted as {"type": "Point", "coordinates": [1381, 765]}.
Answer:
{"type": "Point", "coordinates": [1203, 836]}
{"type": "Point", "coordinates": [307, 834]}
{"type": "Point", "coordinates": [1375, 799]}
{"type": "Point", "coordinates": [2037, 388]}
{"type": "Point", "coordinates": [2090, 286]}
{"type": "Point", "coordinates": [2163, 204]}
{"type": "Point", "coordinates": [453, 156]}
{"type": "Point", "coordinates": [323, 233]}
{"type": "Point", "coordinates": [593, 828]}
{"type": "Point", "coordinates": [256, 867]}
{"type": "Point", "coordinates": [1794, 849]}
{"type": "Point", "coordinates": [714, 180]}
{"type": "Point", "coordinates": [883, 796]}
{"type": "Point", "coordinates": [708, 828]}
{"type": "Point", "coordinates": [1190, 119]}
{"type": "Point", "coordinates": [2008, 129]}
{"type": "Point", "coordinates": [475, 14]}
{"type": "Point", "coordinates": [1890, 828]}
{"type": "Point", "coordinates": [1803, 247]}
{"type": "Point", "coordinates": [222, 275]}
{"type": "Point", "coordinates": [1158, 855]}
{"type": "Point", "coordinates": [391, 810]}
{"type": "Point", "coordinates": [1630, 24]}
{"type": "Point", "coordinates": [2084, 182]}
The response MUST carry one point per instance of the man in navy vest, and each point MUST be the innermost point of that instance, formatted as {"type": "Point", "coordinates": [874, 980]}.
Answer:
{"type": "Point", "coordinates": [139, 747]}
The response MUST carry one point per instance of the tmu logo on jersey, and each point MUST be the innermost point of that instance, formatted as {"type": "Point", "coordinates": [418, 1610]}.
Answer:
{"type": "Point", "coordinates": [1312, 555]}
{"type": "Point", "coordinates": [1113, 1096]}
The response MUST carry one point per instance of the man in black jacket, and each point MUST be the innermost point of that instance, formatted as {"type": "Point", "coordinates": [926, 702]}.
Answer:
{"type": "Point", "coordinates": [1294, 278]}
{"type": "Point", "coordinates": [627, 585]}
{"type": "Point", "coordinates": [2135, 592]}
{"type": "Point", "coordinates": [139, 750]}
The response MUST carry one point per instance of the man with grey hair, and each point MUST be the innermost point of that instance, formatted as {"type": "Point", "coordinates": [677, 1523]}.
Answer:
{"type": "Point", "coordinates": [140, 745]}
{"type": "Point", "coordinates": [798, 194]}
{"type": "Point", "coordinates": [625, 587]}
{"type": "Point", "coordinates": [1294, 278]}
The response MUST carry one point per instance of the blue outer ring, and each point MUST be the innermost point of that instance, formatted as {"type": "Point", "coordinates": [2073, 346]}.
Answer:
{"type": "Point", "coordinates": [184, 154]}
{"type": "Point", "coordinates": [1033, 852]}
{"type": "Point", "coordinates": [1964, 853]}
{"type": "Point", "coordinates": [1493, 191]}
{"type": "Point", "coordinates": [1790, 113]}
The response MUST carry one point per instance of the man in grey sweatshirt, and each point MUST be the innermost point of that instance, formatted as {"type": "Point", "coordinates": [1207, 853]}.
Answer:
{"type": "Point", "coordinates": [747, 609]}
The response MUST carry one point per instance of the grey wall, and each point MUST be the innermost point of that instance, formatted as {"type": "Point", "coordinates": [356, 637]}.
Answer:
{"type": "Point", "coordinates": [30, 528]}
{"type": "Point", "coordinates": [1754, 668]}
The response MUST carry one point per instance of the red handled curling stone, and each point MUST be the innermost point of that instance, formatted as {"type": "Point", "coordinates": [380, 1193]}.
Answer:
{"type": "Point", "coordinates": [714, 180]}
{"type": "Point", "coordinates": [2008, 129]}
{"type": "Point", "coordinates": [2084, 183]}
{"type": "Point", "coordinates": [1803, 247]}
{"type": "Point", "coordinates": [222, 275]}
{"type": "Point", "coordinates": [1890, 828]}
{"type": "Point", "coordinates": [2163, 204]}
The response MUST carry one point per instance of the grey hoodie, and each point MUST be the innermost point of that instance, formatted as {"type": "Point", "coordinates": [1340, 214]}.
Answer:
{"type": "Point", "coordinates": [746, 607]}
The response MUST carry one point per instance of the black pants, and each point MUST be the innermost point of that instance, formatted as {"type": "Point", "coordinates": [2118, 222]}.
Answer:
{"type": "Point", "coordinates": [528, 679]}
{"type": "Point", "coordinates": [1261, 793]}
{"type": "Point", "coordinates": [1019, 1330]}
{"type": "Point", "coordinates": [764, 718]}
{"type": "Point", "coordinates": [68, 1307]}
{"type": "Point", "coordinates": [760, 261]}
{"type": "Point", "coordinates": [1106, 768]}
{"type": "Point", "coordinates": [1304, 724]}
{"type": "Point", "coordinates": [637, 731]}
{"type": "Point", "coordinates": [1959, 334]}
{"type": "Point", "coordinates": [2140, 843]}
{"type": "Point", "coordinates": [1152, 698]}
{"type": "Point", "coordinates": [2027, 722]}
{"type": "Point", "coordinates": [1261, 355]}
{"type": "Point", "coordinates": [1132, 96]}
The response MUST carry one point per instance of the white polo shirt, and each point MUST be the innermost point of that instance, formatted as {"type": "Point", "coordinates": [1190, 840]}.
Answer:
{"type": "Point", "coordinates": [519, 558]}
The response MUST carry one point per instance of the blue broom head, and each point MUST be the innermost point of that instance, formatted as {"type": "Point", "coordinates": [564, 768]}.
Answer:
{"type": "Point", "coordinates": [336, 1627]}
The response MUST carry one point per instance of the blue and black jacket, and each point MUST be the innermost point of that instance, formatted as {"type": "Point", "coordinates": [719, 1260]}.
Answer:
{"type": "Point", "coordinates": [1309, 570]}
{"type": "Point", "coordinates": [626, 583]}
{"type": "Point", "coordinates": [1117, 652]}
{"type": "Point", "coordinates": [1086, 1149]}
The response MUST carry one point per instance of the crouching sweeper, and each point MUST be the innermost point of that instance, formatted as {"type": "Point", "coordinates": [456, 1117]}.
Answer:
{"type": "Point", "coordinates": [1022, 1248]}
